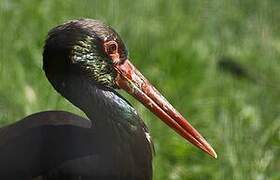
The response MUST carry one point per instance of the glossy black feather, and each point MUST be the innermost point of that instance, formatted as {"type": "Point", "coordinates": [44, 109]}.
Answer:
{"type": "Point", "coordinates": [60, 145]}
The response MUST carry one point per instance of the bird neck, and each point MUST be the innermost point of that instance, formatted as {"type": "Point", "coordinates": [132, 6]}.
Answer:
{"type": "Point", "coordinates": [115, 123]}
{"type": "Point", "coordinates": [102, 105]}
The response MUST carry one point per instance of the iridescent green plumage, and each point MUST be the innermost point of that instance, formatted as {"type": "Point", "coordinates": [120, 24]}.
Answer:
{"type": "Point", "coordinates": [97, 67]}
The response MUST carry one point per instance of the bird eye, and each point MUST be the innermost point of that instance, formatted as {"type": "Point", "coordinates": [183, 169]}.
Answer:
{"type": "Point", "coordinates": [111, 48]}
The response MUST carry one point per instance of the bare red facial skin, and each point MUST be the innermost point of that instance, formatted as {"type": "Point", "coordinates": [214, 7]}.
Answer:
{"type": "Point", "coordinates": [111, 48]}
{"type": "Point", "coordinates": [131, 80]}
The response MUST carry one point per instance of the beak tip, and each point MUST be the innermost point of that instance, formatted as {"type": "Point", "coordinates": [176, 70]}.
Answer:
{"type": "Point", "coordinates": [212, 153]}
{"type": "Point", "coordinates": [206, 147]}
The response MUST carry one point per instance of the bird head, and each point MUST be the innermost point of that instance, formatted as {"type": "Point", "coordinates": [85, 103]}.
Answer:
{"type": "Point", "coordinates": [93, 49]}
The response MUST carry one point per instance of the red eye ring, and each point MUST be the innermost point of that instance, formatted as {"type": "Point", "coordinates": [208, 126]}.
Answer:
{"type": "Point", "coordinates": [111, 49]}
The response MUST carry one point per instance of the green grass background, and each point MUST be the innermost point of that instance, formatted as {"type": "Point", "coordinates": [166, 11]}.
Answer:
{"type": "Point", "coordinates": [176, 44]}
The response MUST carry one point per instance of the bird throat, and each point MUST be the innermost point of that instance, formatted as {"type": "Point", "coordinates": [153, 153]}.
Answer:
{"type": "Point", "coordinates": [102, 105]}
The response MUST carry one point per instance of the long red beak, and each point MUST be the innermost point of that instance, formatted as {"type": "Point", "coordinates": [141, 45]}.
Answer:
{"type": "Point", "coordinates": [132, 81]}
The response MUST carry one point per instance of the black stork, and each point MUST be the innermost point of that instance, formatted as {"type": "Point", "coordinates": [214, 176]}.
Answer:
{"type": "Point", "coordinates": [85, 61]}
